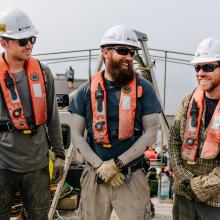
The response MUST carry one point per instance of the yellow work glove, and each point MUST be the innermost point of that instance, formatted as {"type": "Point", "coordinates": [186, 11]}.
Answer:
{"type": "Point", "coordinates": [117, 180]}
{"type": "Point", "coordinates": [51, 162]}
{"type": "Point", "coordinates": [107, 170]}
{"type": "Point", "coordinates": [58, 169]}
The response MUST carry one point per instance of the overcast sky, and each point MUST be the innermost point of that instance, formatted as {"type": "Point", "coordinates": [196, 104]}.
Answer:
{"type": "Point", "coordinates": [170, 25]}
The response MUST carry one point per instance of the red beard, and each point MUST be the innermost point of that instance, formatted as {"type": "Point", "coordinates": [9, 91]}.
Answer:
{"type": "Point", "coordinates": [120, 75]}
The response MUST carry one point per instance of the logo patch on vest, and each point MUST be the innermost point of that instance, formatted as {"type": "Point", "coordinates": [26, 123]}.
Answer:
{"type": "Point", "coordinates": [126, 89]}
{"type": "Point", "coordinates": [34, 77]}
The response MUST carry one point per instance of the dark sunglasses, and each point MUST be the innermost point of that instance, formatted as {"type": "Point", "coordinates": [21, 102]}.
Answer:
{"type": "Point", "coordinates": [206, 68]}
{"type": "Point", "coordinates": [23, 42]}
{"type": "Point", "coordinates": [124, 51]}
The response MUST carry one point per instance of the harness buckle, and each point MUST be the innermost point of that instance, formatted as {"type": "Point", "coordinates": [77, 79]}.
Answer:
{"type": "Point", "coordinates": [128, 176]}
{"type": "Point", "coordinates": [27, 131]}
{"type": "Point", "coordinates": [191, 162]}
{"type": "Point", "coordinates": [107, 145]}
{"type": "Point", "coordinates": [10, 126]}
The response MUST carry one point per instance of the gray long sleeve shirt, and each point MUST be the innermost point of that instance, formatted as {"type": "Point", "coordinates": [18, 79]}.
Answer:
{"type": "Point", "coordinates": [23, 153]}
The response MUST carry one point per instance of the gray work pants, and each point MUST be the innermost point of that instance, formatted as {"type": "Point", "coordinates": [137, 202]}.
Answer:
{"type": "Point", "coordinates": [34, 191]}
{"type": "Point", "coordinates": [131, 201]}
{"type": "Point", "coordinates": [184, 209]}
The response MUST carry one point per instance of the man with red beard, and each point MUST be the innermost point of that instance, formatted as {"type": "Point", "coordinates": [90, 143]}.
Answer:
{"type": "Point", "coordinates": [194, 141]}
{"type": "Point", "coordinates": [28, 108]}
{"type": "Point", "coordinates": [120, 111]}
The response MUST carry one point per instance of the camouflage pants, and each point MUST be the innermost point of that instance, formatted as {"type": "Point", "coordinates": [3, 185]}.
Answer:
{"type": "Point", "coordinates": [34, 191]}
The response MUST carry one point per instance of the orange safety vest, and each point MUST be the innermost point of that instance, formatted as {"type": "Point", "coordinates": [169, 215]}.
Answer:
{"type": "Point", "coordinates": [210, 148]}
{"type": "Point", "coordinates": [127, 109]}
{"type": "Point", "coordinates": [13, 103]}
{"type": "Point", "coordinates": [150, 154]}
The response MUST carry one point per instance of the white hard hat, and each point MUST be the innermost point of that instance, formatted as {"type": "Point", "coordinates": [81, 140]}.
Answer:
{"type": "Point", "coordinates": [120, 34]}
{"type": "Point", "coordinates": [208, 51]}
{"type": "Point", "coordinates": [15, 24]}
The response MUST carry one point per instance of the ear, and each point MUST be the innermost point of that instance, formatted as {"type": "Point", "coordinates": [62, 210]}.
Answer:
{"type": "Point", "coordinates": [4, 43]}
{"type": "Point", "coordinates": [106, 53]}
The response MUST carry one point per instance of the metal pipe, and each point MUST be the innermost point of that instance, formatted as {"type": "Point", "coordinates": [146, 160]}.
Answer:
{"type": "Point", "coordinates": [164, 85]}
{"type": "Point", "coordinates": [90, 55]}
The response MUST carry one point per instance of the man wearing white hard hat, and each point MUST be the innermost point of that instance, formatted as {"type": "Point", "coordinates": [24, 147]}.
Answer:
{"type": "Point", "coordinates": [28, 108]}
{"type": "Point", "coordinates": [194, 141]}
{"type": "Point", "coordinates": [120, 111]}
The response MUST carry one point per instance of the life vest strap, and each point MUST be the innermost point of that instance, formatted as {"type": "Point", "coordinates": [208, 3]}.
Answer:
{"type": "Point", "coordinates": [8, 126]}
{"type": "Point", "coordinates": [10, 85]}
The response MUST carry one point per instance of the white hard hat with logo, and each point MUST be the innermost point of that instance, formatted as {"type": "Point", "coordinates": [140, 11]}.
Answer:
{"type": "Point", "coordinates": [207, 51]}
{"type": "Point", "coordinates": [15, 24]}
{"type": "Point", "coordinates": [120, 35]}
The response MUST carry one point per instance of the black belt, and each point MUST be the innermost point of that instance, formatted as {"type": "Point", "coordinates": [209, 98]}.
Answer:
{"type": "Point", "coordinates": [132, 168]}
{"type": "Point", "coordinates": [8, 126]}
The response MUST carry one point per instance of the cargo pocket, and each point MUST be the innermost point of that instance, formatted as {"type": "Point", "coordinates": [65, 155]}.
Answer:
{"type": "Point", "coordinates": [83, 176]}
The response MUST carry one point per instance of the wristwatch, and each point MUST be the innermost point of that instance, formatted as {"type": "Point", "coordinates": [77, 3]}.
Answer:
{"type": "Point", "coordinates": [119, 164]}
{"type": "Point", "coordinates": [184, 184]}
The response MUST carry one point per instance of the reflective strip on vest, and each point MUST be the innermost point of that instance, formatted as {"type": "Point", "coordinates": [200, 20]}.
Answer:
{"type": "Point", "coordinates": [36, 84]}
{"type": "Point", "coordinates": [127, 109]}
{"type": "Point", "coordinates": [210, 147]}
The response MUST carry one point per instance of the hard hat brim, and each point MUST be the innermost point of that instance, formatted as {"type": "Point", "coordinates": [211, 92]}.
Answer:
{"type": "Point", "coordinates": [119, 43]}
{"type": "Point", "coordinates": [26, 34]}
{"type": "Point", "coordinates": [203, 60]}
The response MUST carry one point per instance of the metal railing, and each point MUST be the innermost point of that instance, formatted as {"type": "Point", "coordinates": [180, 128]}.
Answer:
{"type": "Point", "coordinates": [90, 56]}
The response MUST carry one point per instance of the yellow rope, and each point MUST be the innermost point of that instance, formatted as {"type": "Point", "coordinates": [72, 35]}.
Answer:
{"type": "Point", "coordinates": [144, 68]}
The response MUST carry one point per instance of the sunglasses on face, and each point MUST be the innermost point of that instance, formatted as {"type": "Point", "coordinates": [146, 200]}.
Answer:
{"type": "Point", "coordinates": [23, 42]}
{"type": "Point", "coordinates": [124, 51]}
{"type": "Point", "coordinates": [206, 68]}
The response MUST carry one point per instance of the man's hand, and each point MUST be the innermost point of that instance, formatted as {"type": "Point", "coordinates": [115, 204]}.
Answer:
{"type": "Point", "coordinates": [117, 180]}
{"type": "Point", "coordinates": [190, 192]}
{"type": "Point", "coordinates": [186, 186]}
{"type": "Point", "coordinates": [58, 169]}
{"type": "Point", "coordinates": [107, 170]}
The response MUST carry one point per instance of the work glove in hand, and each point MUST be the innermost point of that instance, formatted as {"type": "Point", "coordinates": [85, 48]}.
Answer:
{"type": "Point", "coordinates": [58, 169]}
{"type": "Point", "coordinates": [107, 170]}
{"type": "Point", "coordinates": [117, 180]}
